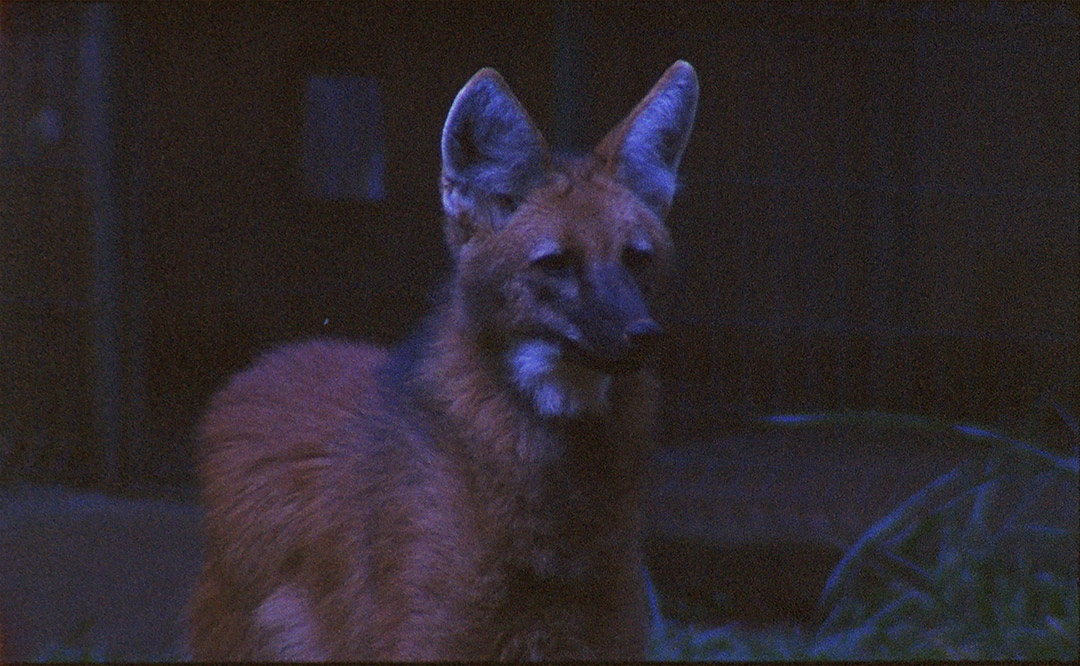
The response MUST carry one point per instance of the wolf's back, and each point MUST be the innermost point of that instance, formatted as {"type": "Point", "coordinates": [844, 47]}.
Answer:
{"type": "Point", "coordinates": [272, 447]}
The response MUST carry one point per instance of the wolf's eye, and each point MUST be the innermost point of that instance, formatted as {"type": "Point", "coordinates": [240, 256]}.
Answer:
{"type": "Point", "coordinates": [557, 263]}
{"type": "Point", "coordinates": [506, 203]}
{"type": "Point", "coordinates": [637, 259]}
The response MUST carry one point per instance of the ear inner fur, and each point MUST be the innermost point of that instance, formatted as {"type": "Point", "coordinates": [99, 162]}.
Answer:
{"type": "Point", "coordinates": [643, 152]}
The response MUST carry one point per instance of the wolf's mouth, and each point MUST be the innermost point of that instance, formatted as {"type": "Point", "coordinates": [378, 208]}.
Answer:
{"type": "Point", "coordinates": [625, 363]}
{"type": "Point", "coordinates": [615, 355]}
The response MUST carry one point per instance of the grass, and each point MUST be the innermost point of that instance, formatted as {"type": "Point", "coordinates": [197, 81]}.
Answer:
{"type": "Point", "coordinates": [74, 648]}
{"type": "Point", "coordinates": [958, 571]}
{"type": "Point", "coordinates": [79, 647]}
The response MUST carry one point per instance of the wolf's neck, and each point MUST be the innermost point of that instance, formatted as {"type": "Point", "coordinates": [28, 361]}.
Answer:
{"type": "Point", "coordinates": [551, 485]}
{"type": "Point", "coordinates": [522, 403]}
{"type": "Point", "coordinates": [555, 388]}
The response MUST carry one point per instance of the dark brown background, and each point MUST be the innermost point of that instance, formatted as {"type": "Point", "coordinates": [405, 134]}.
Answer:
{"type": "Point", "coordinates": [879, 207]}
{"type": "Point", "coordinates": [879, 212]}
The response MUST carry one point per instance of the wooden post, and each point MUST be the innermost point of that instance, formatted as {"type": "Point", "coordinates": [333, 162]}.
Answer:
{"type": "Point", "coordinates": [97, 163]}
{"type": "Point", "coordinates": [570, 72]}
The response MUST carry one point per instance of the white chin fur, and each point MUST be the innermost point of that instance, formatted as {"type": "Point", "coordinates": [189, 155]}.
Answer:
{"type": "Point", "coordinates": [556, 388]}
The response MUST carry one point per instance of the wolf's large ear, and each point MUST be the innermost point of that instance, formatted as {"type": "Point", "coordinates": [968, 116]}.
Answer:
{"type": "Point", "coordinates": [643, 151]}
{"type": "Point", "coordinates": [492, 156]}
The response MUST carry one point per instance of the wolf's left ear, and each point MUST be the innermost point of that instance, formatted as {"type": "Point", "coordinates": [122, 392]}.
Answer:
{"type": "Point", "coordinates": [644, 150]}
{"type": "Point", "coordinates": [492, 156]}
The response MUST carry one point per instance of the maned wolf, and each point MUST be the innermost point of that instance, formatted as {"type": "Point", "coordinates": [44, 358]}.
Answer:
{"type": "Point", "coordinates": [473, 494]}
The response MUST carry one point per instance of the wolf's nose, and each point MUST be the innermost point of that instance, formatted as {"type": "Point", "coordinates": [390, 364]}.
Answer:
{"type": "Point", "coordinates": [642, 335]}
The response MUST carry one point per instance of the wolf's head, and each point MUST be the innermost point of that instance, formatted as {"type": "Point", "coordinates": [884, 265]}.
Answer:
{"type": "Point", "coordinates": [560, 260]}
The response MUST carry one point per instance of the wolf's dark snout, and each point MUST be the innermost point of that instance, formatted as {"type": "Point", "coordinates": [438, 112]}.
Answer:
{"type": "Point", "coordinates": [642, 335]}
{"type": "Point", "coordinates": [621, 353]}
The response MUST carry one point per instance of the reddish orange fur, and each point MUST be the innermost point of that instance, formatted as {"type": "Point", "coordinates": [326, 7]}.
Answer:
{"type": "Point", "coordinates": [411, 506]}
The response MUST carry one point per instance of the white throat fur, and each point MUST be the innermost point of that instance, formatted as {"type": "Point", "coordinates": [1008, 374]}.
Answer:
{"type": "Point", "coordinates": [556, 388]}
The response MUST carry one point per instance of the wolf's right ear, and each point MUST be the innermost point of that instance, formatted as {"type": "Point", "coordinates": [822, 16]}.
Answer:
{"type": "Point", "coordinates": [492, 155]}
